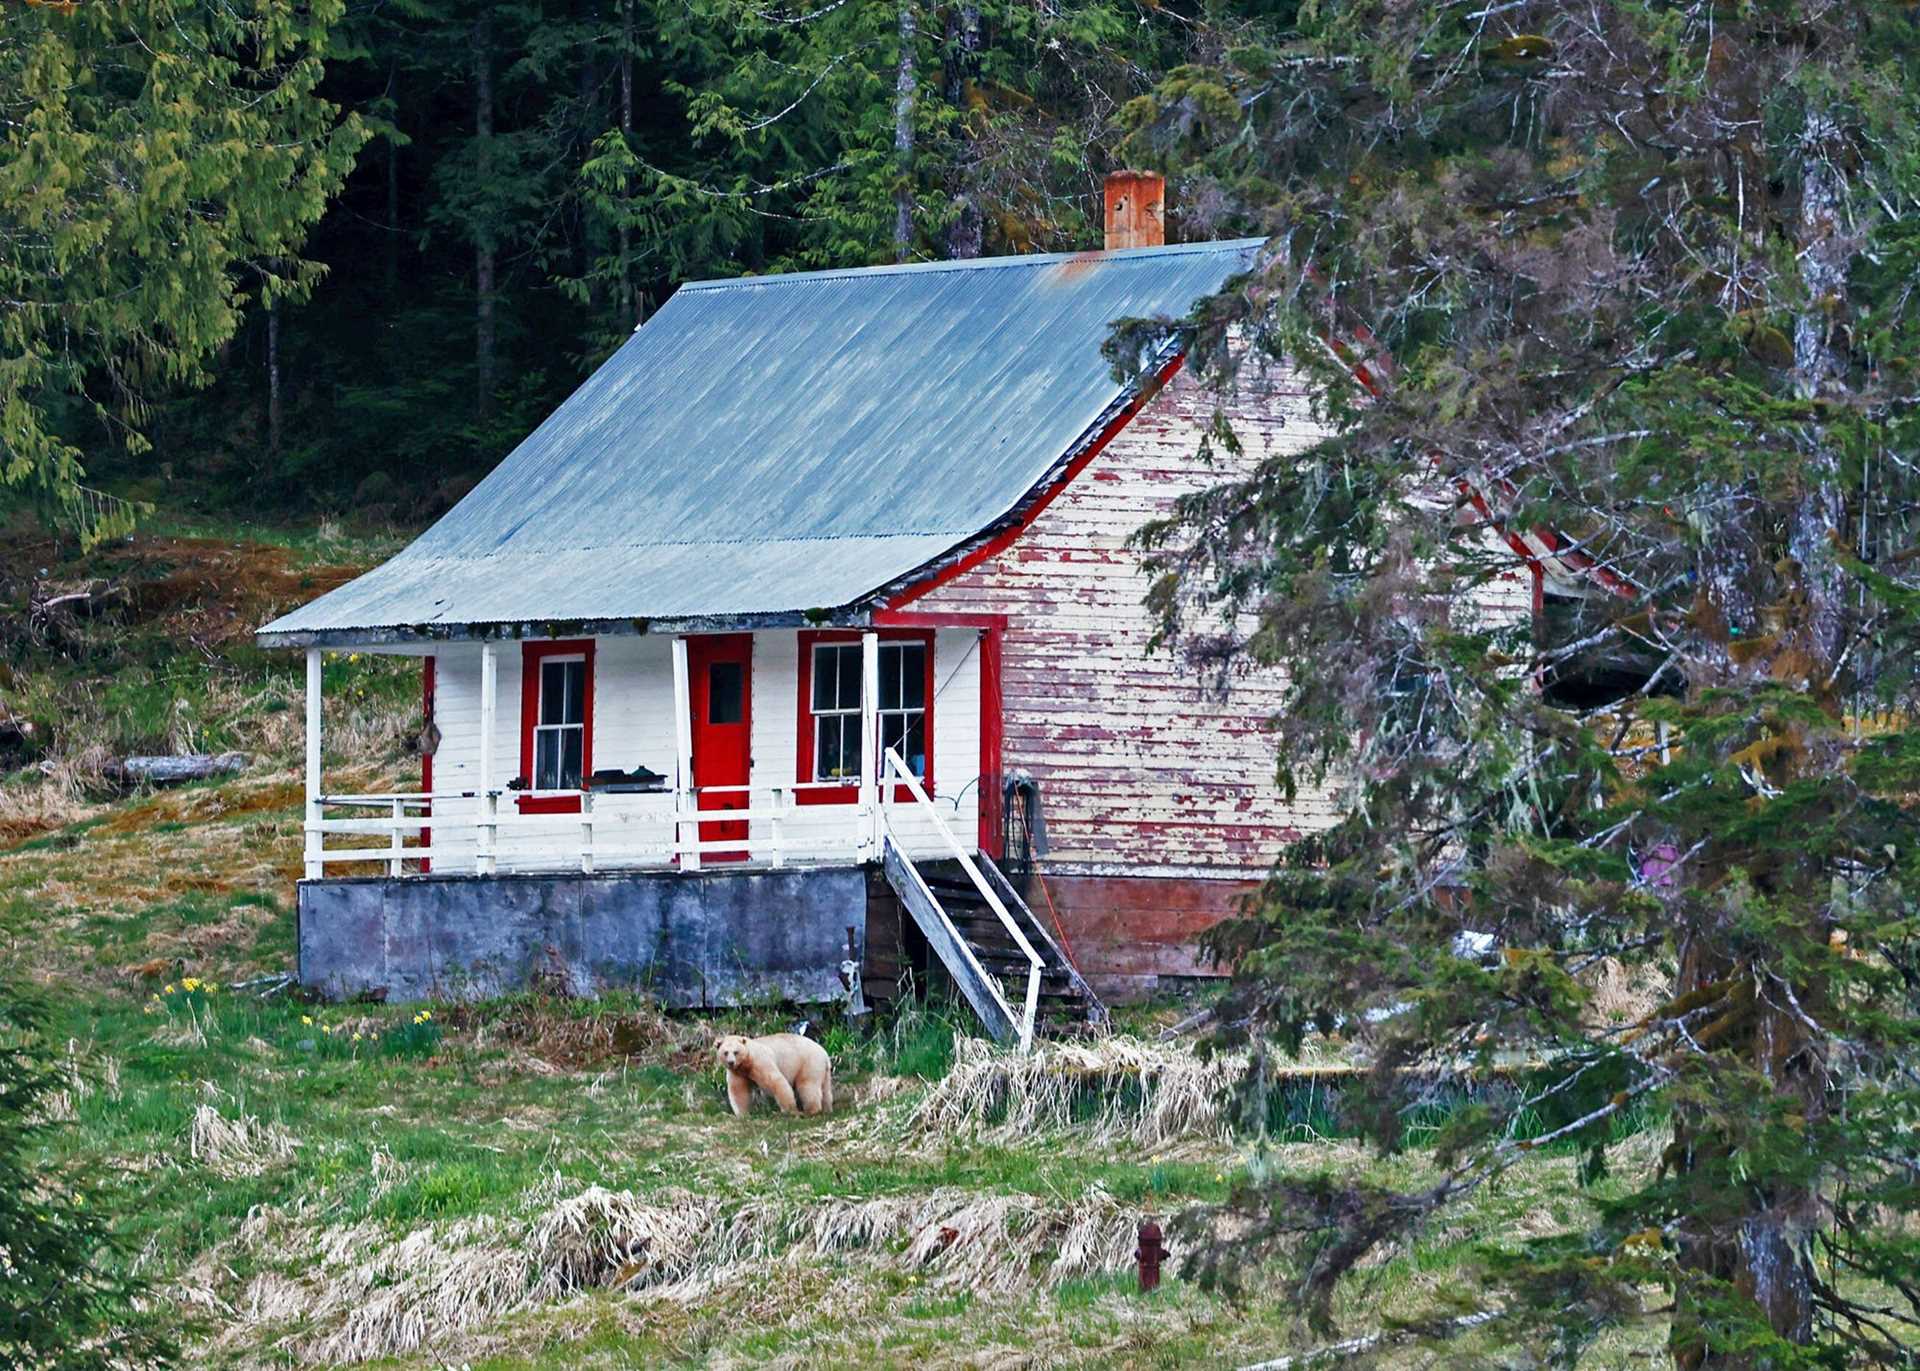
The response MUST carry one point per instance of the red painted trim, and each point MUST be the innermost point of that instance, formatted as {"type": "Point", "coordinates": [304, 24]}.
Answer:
{"type": "Point", "coordinates": [531, 655]}
{"type": "Point", "coordinates": [1581, 561]}
{"type": "Point", "coordinates": [915, 618]}
{"type": "Point", "coordinates": [1002, 540]}
{"type": "Point", "coordinates": [803, 750]}
{"type": "Point", "coordinates": [1555, 546]}
{"type": "Point", "coordinates": [993, 733]}
{"type": "Point", "coordinates": [429, 669]}
{"type": "Point", "coordinates": [1514, 540]}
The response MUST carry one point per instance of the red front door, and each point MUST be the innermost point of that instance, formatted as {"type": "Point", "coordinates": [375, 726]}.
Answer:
{"type": "Point", "coordinates": [720, 668]}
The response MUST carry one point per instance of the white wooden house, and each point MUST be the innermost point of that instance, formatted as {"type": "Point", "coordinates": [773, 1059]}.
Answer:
{"type": "Point", "coordinates": [837, 555]}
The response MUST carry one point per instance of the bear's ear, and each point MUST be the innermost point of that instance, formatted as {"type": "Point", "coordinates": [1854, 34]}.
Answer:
{"type": "Point", "coordinates": [717, 1042]}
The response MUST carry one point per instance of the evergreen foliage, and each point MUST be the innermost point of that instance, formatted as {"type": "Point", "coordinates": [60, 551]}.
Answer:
{"type": "Point", "coordinates": [1626, 288]}
{"type": "Point", "coordinates": [160, 163]}
{"type": "Point", "coordinates": [65, 1304]}
{"type": "Point", "coordinates": [542, 175]}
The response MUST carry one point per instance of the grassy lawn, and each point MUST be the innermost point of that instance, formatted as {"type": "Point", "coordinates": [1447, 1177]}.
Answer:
{"type": "Point", "coordinates": [534, 1183]}
{"type": "Point", "coordinates": [531, 1183]}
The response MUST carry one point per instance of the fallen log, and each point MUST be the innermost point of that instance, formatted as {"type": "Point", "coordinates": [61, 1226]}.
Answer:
{"type": "Point", "coordinates": [194, 766]}
{"type": "Point", "coordinates": [91, 600]}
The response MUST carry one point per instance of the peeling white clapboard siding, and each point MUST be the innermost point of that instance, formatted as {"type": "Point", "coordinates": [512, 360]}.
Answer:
{"type": "Point", "coordinates": [1144, 764]}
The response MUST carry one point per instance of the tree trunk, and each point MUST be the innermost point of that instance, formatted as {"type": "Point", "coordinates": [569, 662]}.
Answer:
{"type": "Point", "coordinates": [629, 314]}
{"type": "Point", "coordinates": [1760, 1248]}
{"type": "Point", "coordinates": [483, 247]}
{"type": "Point", "coordinates": [393, 184]}
{"type": "Point", "coordinates": [1765, 1254]}
{"type": "Point", "coordinates": [273, 383]}
{"type": "Point", "coordinates": [1823, 256]}
{"type": "Point", "coordinates": [195, 766]}
{"type": "Point", "coordinates": [904, 86]}
{"type": "Point", "coordinates": [965, 235]}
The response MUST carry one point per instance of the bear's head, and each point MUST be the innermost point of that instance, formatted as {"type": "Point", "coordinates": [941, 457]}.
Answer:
{"type": "Point", "coordinates": [731, 1050]}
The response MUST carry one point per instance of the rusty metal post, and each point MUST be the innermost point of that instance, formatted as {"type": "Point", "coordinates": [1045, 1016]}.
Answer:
{"type": "Point", "coordinates": [1149, 1254]}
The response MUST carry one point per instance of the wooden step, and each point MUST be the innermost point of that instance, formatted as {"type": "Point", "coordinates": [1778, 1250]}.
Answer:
{"type": "Point", "coordinates": [1063, 1003]}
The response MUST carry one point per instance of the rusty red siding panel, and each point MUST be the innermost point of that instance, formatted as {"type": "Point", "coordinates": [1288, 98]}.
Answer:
{"type": "Point", "coordinates": [1129, 932]}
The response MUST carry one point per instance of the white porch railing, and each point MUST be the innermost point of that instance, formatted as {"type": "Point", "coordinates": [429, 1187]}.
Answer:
{"type": "Point", "coordinates": [614, 831]}
{"type": "Point", "coordinates": [956, 850]}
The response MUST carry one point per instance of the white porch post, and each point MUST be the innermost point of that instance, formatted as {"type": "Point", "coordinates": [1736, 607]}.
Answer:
{"type": "Point", "coordinates": [873, 767]}
{"type": "Point", "coordinates": [486, 860]}
{"type": "Point", "coordinates": [315, 867]}
{"type": "Point", "coordinates": [685, 801]}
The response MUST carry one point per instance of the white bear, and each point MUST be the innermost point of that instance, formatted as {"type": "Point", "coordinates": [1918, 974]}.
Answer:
{"type": "Point", "coordinates": [796, 1071]}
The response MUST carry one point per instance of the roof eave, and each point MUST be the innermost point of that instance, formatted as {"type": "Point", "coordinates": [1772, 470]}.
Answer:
{"type": "Point", "coordinates": [1126, 404]}
{"type": "Point", "coordinates": [843, 616]}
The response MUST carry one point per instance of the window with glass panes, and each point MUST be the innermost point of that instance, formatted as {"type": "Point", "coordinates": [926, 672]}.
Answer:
{"type": "Point", "coordinates": [559, 732]}
{"type": "Point", "coordinates": [835, 705]}
{"type": "Point", "coordinates": [836, 711]}
{"type": "Point", "coordinates": [903, 703]}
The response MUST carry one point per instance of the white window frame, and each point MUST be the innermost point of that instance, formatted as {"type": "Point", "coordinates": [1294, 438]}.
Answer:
{"type": "Point", "coordinates": [578, 659]}
{"type": "Point", "coordinates": [841, 713]}
{"type": "Point", "coordinates": [904, 713]}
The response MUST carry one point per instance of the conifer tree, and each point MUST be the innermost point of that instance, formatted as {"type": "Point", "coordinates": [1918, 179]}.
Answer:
{"type": "Point", "coordinates": [67, 1303]}
{"type": "Point", "coordinates": [160, 164]}
{"type": "Point", "coordinates": [1619, 297]}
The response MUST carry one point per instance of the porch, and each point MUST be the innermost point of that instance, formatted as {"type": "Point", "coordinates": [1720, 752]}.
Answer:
{"type": "Point", "coordinates": [621, 753]}
{"type": "Point", "coordinates": [802, 771]}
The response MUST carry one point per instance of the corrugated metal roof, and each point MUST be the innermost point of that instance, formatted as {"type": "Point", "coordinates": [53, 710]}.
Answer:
{"type": "Point", "coordinates": [771, 446]}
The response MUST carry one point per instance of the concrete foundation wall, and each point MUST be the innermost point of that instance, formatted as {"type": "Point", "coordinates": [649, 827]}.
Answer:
{"type": "Point", "coordinates": [695, 940]}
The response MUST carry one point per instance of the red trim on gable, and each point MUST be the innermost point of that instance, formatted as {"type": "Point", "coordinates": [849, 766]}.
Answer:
{"type": "Point", "coordinates": [1004, 539]}
{"type": "Point", "coordinates": [803, 750]}
{"type": "Point", "coordinates": [429, 671]}
{"type": "Point", "coordinates": [1610, 581]}
{"type": "Point", "coordinates": [914, 618]}
{"type": "Point", "coordinates": [531, 655]}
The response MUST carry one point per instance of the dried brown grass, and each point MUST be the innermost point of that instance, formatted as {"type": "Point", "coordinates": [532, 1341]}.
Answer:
{"type": "Point", "coordinates": [238, 1146]}
{"type": "Point", "coordinates": [54, 799]}
{"type": "Point", "coordinates": [549, 1031]}
{"type": "Point", "coordinates": [1112, 1090]}
{"type": "Point", "coordinates": [360, 1293]}
{"type": "Point", "coordinates": [1619, 994]}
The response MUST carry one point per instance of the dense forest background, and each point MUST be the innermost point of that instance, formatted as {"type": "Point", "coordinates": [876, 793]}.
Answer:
{"type": "Point", "coordinates": [541, 176]}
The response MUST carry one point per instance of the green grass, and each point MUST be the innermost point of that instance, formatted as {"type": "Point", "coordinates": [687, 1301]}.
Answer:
{"type": "Point", "coordinates": [483, 1114]}
{"type": "Point", "coordinates": [426, 1123]}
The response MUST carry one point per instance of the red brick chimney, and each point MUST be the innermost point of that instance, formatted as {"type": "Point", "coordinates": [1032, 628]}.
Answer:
{"type": "Point", "coordinates": [1136, 209]}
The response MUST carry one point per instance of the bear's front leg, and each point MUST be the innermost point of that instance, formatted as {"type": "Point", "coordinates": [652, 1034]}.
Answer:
{"type": "Point", "coordinates": [778, 1086]}
{"type": "Point", "coordinates": [739, 1094]}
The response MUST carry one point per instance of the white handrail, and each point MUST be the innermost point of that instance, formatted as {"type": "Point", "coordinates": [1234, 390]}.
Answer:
{"type": "Point", "coordinates": [604, 832]}
{"type": "Point", "coordinates": [967, 864]}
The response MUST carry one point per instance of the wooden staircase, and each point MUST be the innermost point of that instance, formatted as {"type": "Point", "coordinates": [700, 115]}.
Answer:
{"type": "Point", "coordinates": [981, 955]}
